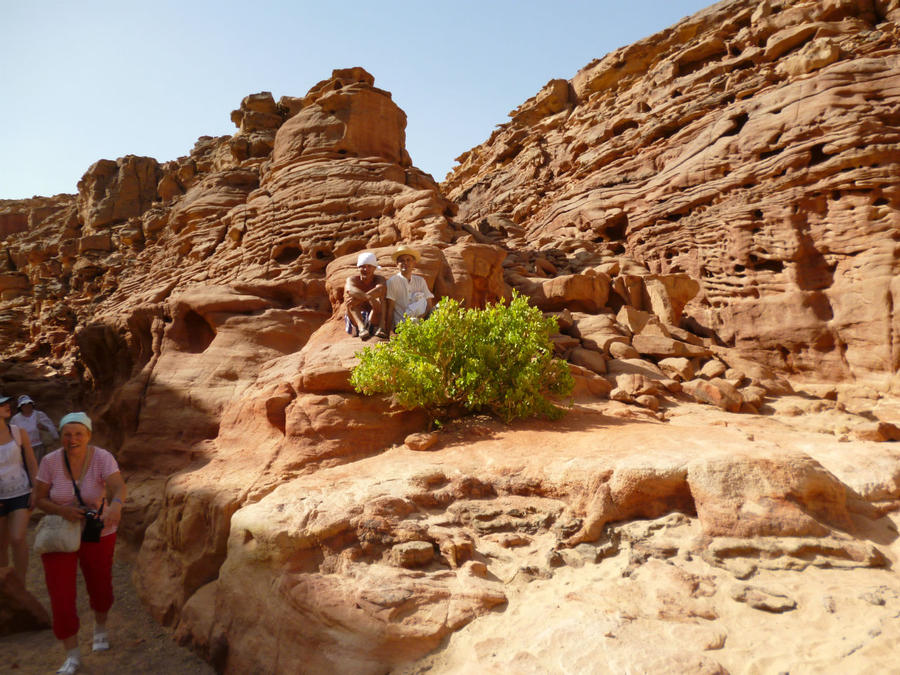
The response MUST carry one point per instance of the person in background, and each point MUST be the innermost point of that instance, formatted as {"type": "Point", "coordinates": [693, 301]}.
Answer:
{"type": "Point", "coordinates": [17, 470]}
{"type": "Point", "coordinates": [102, 491]}
{"type": "Point", "coordinates": [407, 293]}
{"type": "Point", "coordinates": [32, 421]}
{"type": "Point", "coordinates": [364, 295]}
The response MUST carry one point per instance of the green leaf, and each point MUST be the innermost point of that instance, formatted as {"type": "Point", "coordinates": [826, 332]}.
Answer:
{"type": "Point", "coordinates": [498, 360]}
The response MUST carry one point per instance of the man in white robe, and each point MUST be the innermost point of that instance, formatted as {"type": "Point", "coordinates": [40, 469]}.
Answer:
{"type": "Point", "coordinates": [408, 296]}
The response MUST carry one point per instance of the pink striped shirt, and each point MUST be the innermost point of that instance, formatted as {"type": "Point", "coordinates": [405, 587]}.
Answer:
{"type": "Point", "coordinates": [92, 485]}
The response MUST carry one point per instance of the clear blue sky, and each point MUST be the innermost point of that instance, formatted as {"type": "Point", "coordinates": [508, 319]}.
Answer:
{"type": "Point", "coordinates": [94, 79]}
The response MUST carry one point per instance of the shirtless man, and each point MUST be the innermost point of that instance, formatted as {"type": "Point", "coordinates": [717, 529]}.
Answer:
{"type": "Point", "coordinates": [365, 298]}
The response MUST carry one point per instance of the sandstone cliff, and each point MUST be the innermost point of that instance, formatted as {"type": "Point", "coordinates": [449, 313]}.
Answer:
{"type": "Point", "coordinates": [194, 308]}
{"type": "Point", "coordinates": [752, 146]}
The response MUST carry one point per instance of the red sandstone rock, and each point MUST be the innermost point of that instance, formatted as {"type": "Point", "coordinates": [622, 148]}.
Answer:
{"type": "Point", "coordinates": [766, 499]}
{"type": "Point", "coordinates": [633, 319]}
{"type": "Point", "coordinates": [658, 346]}
{"type": "Point", "coordinates": [622, 350]}
{"type": "Point", "coordinates": [589, 383]}
{"type": "Point", "coordinates": [19, 610]}
{"type": "Point", "coordinates": [713, 368]}
{"type": "Point", "coordinates": [421, 441]}
{"type": "Point", "coordinates": [616, 367]}
{"type": "Point", "coordinates": [597, 331]}
{"type": "Point", "coordinates": [635, 385]}
{"type": "Point", "coordinates": [735, 129]}
{"type": "Point", "coordinates": [716, 392]}
{"type": "Point", "coordinates": [877, 431]}
{"type": "Point", "coordinates": [647, 401]}
{"type": "Point", "coordinates": [589, 359]}
{"type": "Point", "coordinates": [113, 191]}
{"type": "Point", "coordinates": [691, 191]}
{"type": "Point", "coordinates": [679, 367]}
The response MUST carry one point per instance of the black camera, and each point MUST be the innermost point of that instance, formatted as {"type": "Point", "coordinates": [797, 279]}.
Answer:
{"type": "Point", "coordinates": [93, 526]}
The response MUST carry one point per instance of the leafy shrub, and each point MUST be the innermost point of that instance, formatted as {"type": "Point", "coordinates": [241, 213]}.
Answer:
{"type": "Point", "coordinates": [498, 360]}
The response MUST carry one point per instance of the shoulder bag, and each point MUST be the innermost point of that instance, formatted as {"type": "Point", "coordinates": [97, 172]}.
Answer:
{"type": "Point", "coordinates": [55, 534]}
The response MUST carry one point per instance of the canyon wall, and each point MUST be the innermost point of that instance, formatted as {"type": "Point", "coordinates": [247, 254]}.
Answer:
{"type": "Point", "coordinates": [753, 146]}
{"type": "Point", "coordinates": [706, 213]}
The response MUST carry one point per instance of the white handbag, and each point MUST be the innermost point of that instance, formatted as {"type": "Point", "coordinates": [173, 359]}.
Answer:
{"type": "Point", "coordinates": [55, 534]}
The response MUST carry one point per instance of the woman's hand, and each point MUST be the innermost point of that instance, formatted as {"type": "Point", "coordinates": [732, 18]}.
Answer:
{"type": "Point", "coordinates": [73, 513]}
{"type": "Point", "coordinates": [112, 514]}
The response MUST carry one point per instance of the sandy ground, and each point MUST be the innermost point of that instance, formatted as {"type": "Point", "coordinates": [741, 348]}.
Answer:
{"type": "Point", "coordinates": [139, 644]}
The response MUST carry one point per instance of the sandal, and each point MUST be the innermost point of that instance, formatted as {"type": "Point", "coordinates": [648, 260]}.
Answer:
{"type": "Point", "coordinates": [364, 334]}
{"type": "Point", "coordinates": [101, 642]}
{"type": "Point", "coordinates": [382, 333]}
{"type": "Point", "coordinates": [70, 666]}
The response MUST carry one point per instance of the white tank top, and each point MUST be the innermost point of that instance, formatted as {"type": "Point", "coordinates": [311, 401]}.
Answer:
{"type": "Point", "coordinates": [13, 477]}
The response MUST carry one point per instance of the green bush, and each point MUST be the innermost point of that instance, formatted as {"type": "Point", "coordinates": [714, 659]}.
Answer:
{"type": "Point", "coordinates": [498, 360]}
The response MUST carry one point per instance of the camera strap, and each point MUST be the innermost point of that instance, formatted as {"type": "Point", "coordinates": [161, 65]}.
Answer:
{"type": "Point", "coordinates": [72, 476]}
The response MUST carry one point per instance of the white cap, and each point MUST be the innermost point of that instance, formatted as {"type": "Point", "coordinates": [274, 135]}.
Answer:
{"type": "Point", "coordinates": [25, 399]}
{"type": "Point", "coordinates": [367, 258]}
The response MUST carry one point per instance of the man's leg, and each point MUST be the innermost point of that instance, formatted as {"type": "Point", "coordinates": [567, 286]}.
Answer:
{"type": "Point", "coordinates": [379, 316]}
{"type": "Point", "coordinates": [360, 315]}
{"type": "Point", "coordinates": [389, 314]}
{"type": "Point", "coordinates": [356, 317]}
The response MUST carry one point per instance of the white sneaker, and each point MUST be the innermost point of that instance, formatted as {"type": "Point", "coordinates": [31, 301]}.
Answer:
{"type": "Point", "coordinates": [101, 642]}
{"type": "Point", "coordinates": [70, 666]}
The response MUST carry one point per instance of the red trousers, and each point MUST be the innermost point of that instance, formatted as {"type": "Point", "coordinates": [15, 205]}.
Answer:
{"type": "Point", "coordinates": [60, 570]}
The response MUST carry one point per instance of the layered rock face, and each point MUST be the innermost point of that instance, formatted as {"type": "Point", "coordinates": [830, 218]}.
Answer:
{"type": "Point", "coordinates": [752, 146]}
{"type": "Point", "coordinates": [286, 522]}
{"type": "Point", "coordinates": [194, 308]}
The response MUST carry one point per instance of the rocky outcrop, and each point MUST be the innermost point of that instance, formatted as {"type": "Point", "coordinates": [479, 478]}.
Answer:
{"type": "Point", "coordinates": [112, 192]}
{"type": "Point", "coordinates": [195, 308]}
{"type": "Point", "coordinates": [20, 611]}
{"type": "Point", "coordinates": [752, 147]}
{"type": "Point", "coordinates": [386, 557]}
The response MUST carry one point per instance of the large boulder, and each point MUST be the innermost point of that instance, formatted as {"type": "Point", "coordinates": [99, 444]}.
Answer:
{"type": "Point", "coordinates": [113, 191]}
{"type": "Point", "coordinates": [20, 611]}
{"type": "Point", "coordinates": [752, 496]}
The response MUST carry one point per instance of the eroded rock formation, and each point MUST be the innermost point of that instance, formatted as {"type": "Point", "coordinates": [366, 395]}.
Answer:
{"type": "Point", "coordinates": [752, 146]}
{"type": "Point", "coordinates": [20, 609]}
{"type": "Point", "coordinates": [195, 308]}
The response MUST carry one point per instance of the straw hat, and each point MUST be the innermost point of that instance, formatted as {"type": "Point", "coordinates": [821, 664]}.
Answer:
{"type": "Point", "coordinates": [406, 250]}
